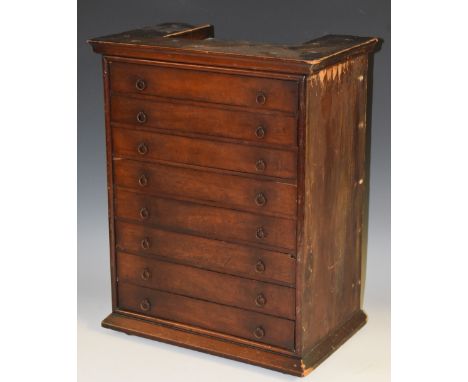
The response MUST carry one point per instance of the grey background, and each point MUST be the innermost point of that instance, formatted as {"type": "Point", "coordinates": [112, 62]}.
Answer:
{"type": "Point", "coordinates": [269, 21]}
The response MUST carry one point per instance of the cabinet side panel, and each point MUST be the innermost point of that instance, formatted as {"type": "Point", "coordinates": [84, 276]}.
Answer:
{"type": "Point", "coordinates": [110, 178]}
{"type": "Point", "coordinates": [333, 200]}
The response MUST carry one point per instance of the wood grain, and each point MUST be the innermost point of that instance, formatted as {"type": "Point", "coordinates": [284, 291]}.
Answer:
{"type": "Point", "coordinates": [206, 153]}
{"type": "Point", "coordinates": [224, 190]}
{"type": "Point", "coordinates": [210, 120]}
{"type": "Point", "coordinates": [333, 198]}
{"type": "Point", "coordinates": [236, 181]}
{"type": "Point", "coordinates": [230, 347]}
{"type": "Point", "coordinates": [225, 319]}
{"type": "Point", "coordinates": [207, 221]}
{"type": "Point", "coordinates": [207, 285]}
{"type": "Point", "coordinates": [308, 57]}
{"type": "Point", "coordinates": [220, 256]}
{"type": "Point", "coordinates": [201, 85]}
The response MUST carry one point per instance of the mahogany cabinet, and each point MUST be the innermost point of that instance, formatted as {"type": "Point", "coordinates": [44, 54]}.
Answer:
{"type": "Point", "coordinates": [237, 190]}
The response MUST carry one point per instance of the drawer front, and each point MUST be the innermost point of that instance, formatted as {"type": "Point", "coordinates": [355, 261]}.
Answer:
{"type": "Point", "coordinates": [207, 120]}
{"type": "Point", "coordinates": [207, 221]}
{"type": "Point", "coordinates": [228, 320]}
{"type": "Point", "coordinates": [199, 85]}
{"type": "Point", "coordinates": [228, 190]}
{"type": "Point", "coordinates": [207, 285]}
{"type": "Point", "coordinates": [216, 255]}
{"type": "Point", "coordinates": [202, 152]}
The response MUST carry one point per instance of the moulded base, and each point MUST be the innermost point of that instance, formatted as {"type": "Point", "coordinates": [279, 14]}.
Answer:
{"type": "Point", "coordinates": [240, 352]}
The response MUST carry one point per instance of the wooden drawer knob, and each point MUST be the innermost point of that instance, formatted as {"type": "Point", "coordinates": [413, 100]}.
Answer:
{"type": "Point", "coordinates": [260, 234]}
{"type": "Point", "coordinates": [144, 213]}
{"type": "Point", "coordinates": [259, 332]}
{"type": "Point", "coordinates": [260, 132]}
{"type": "Point", "coordinates": [145, 305]}
{"type": "Point", "coordinates": [145, 243]}
{"type": "Point", "coordinates": [145, 274]}
{"type": "Point", "coordinates": [141, 117]}
{"type": "Point", "coordinates": [142, 149]}
{"type": "Point", "coordinates": [261, 98]}
{"type": "Point", "coordinates": [260, 199]}
{"type": "Point", "coordinates": [260, 266]}
{"type": "Point", "coordinates": [140, 84]}
{"type": "Point", "coordinates": [260, 300]}
{"type": "Point", "coordinates": [143, 180]}
{"type": "Point", "coordinates": [260, 165]}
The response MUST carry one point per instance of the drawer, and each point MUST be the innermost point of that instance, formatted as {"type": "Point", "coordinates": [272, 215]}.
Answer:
{"type": "Point", "coordinates": [260, 196]}
{"type": "Point", "coordinates": [203, 152]}
{"type": "Point", "coordinates": [278, 129]}
{"type": "Point", "coordinates": [207, 285]}
{"type": "Point", "coordinates": [207, 315]}
{"type": "Point", "coordinates": [255, 263]}
{"type": "Point", "coordinates": [199, 85]}
{"type": "Point", "coordinates": [212, 222]}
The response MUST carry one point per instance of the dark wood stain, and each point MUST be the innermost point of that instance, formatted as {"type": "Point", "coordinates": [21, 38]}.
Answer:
{"type": "Point", "coordinates": [221, 256]}
{"type": "Point", "coordinates": [201, 85]}
{"type": "Point", "coordinates": [226, 190]}
{"type": "Point", "coordinates": [207, 285]}
{"type": "Point", "coordinates": [335, 134]}
{"type": "Point", "coordinates": [173, 115]}
{"type": "Point", "coordinates": [207, 221]}
{"type": "Point", "coordinates": [237, 191]}
{"type": "Point", "coordinates": [304, 58]}
{"type": "Point", "coordinates": [225, 319]}
{"type": "Point", "coordinates": [202, 152]}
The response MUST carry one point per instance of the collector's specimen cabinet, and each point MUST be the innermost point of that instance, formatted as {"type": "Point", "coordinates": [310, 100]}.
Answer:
{"type": "Point", "coordinates": [237, 190]}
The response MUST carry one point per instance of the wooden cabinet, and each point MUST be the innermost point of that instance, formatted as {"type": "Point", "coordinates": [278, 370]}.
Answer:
{"type": "Point", "coordinates": [237, 183]}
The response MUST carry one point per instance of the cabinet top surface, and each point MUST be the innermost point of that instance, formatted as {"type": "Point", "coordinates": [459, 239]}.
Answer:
{"type": "Point", "coordinates": [185, 38]}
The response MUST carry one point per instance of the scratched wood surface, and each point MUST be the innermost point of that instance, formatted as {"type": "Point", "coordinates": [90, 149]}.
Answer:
{"type": "Point", "coordinates": [210, 249]}
{"type": "Point", "coordinates": [164, 30]}
{"type": "Point", "coordinates": [308, 51]}
{"type": "Point", "coordinates": [334, 183]}
{"type": "Point", "coordinates": [205, 86]}
{"type": "Point", "coordinates": [197, 45]}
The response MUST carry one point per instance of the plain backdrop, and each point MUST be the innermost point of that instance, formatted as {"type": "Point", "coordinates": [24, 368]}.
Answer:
{"type": "Point", "coordinates": [104, 355]}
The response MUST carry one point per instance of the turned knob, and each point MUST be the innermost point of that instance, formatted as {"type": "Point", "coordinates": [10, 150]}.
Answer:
{"type": "Point", "coordinates": [260, 199]}
{"type": "Point", "coordinates": [143, 180]}
{"type": "Point", "coordinates": [260, 266]}
{"type": "Point", "coordinates": [142, 149]}
{"type": "Point", "coordinates": [260, 234]}
{"type": "Point", "coordinates": [260, 165]}
{"type": "Point", "coordinates": [145, 305]}
{"type": "Point", "coordinates": [140, 84]}
{"type": "Point", "coordinates": [144, 213]}
{"type": "Point", "coordinates": [261, 98]}
{"type": "Point", "coordinates": [259, 332]}
{"type": "Point", "coordinates": [145, 243]}
{"type": "Point", "coordinates": [141, 117]}
{"type": "Point", "coordinates": [145, 274]}
{"type": "Point", "coordinates": [260, 132]}
{"type": "Point", "coordinates": [260, 300]}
